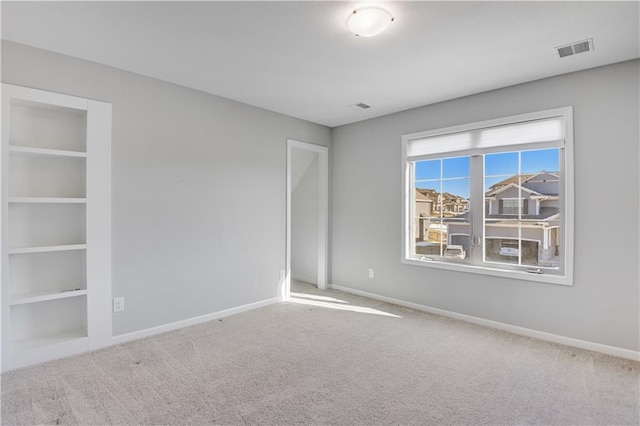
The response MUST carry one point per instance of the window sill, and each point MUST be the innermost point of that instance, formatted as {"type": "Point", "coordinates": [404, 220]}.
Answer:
{"type": "Point", "coordinates": [496, 272]}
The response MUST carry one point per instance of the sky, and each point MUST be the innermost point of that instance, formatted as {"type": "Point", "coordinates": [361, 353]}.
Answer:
{"type": "Point", "coordinates": [452, 174]}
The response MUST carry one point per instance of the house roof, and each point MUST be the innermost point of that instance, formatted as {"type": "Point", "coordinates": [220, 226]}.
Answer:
{"type": "Point", "coordinates": [420, 197]}
{"type": "Point", "coordinates": [524, 176]}
{"type": "Point", "coordinates": [426, 194]}
{"type": "Point", "coordinates": [512, 185]}
{"type": "Point", "coordinates": [432, 195]}
{"type": "Point", "coordinates": [521, 179]}
{"type": "Point", "coordinates": [513, 179]}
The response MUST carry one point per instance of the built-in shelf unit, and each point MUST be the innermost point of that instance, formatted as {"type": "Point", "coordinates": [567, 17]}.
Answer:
{"type": "Point", "coordinates": [56, 225]}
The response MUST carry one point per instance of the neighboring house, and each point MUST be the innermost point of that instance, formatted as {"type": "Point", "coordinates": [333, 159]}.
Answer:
{"type": "Point", "coordinates": [433, 212]}
{"type": "Point", "coordinates": [445, 203]}
{"type": "Point", "coordinates": [536, 195]}
{"type": "Point", "coordinates": [424, 207]}
{"type": "Point", "coordinates": [454, 203]}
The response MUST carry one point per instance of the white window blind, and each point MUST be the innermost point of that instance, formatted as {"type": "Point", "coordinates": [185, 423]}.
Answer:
{"type": "Point", "coordinates": [548, 132]}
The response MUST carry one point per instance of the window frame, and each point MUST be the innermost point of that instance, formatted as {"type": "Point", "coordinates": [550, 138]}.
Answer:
{"type": "Point", "coordinates": [565, 276]}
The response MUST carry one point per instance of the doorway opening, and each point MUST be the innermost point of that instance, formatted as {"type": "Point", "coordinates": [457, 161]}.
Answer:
{"type": "Point", "coordinates": [307, 215]}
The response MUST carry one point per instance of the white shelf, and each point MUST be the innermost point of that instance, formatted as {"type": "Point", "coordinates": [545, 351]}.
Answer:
{"type": "Point", "coordinates": [77, 334]}
{"type": "Point", "coordinates": [24, 298]}
{"type": "Point", "coordinates": [47, 200]}
{"type": "Point", "coordinates": [46, 151]}
{"type": "Point", "coordinates": [44, 249]}
{"type": "Point", "coordinates": [56, 152]}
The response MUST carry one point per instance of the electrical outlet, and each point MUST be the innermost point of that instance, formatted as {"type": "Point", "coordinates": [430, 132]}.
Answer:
{"type": "Point", "coordinates": [118, 304]}
{"type": "Point", "coordinates": [372, 273]}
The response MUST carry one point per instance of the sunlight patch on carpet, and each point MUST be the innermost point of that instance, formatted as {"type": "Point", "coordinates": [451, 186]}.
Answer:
{"type": "Point", "coordinates": [304, 299]}
{"type": "Point", "coordinates": [316, 297]}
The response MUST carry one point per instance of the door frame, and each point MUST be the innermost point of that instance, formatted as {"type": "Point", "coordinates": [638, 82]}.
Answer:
{"type": "Point", "coordinates": [323, 214]}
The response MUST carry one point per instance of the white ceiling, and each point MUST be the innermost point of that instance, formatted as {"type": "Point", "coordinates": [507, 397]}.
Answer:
{"type": "Point", "coordinates": [298, 58]}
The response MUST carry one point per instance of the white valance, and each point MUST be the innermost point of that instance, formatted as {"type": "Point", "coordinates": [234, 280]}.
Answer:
{"type": "Point", "coordinates": [532, 134]}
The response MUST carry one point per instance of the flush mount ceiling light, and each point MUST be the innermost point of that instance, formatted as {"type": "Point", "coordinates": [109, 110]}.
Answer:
{"type": "Point", "coordinates": [369, 21]}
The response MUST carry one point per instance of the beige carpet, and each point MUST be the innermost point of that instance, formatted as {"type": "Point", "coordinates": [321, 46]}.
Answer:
{"type": "Point", "coordinates": [328, 358]}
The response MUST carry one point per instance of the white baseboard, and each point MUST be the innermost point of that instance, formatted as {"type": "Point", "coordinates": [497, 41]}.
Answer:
{"type": "Point", "coordinates": [568, 341]}
{"type": "Point", "coordinates": [127, 337]}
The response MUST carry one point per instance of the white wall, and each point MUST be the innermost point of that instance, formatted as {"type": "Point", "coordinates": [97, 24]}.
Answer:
{"type": "Point", "coordinates": [602, 306]}
{"type": "Point", "coordinates": [304, 217]}
{"type": "Point", "coordinates": [198, 188]}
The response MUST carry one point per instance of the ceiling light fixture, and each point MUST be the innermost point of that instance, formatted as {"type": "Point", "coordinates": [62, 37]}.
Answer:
{"type": "Point", "coordinates": [369, 21]}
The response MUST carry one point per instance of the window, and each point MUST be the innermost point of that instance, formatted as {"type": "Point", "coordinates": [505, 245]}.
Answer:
{"type": "Point", "coordinates": [493, 197]}
{"type": "Point", "coordinates": [512, 206]}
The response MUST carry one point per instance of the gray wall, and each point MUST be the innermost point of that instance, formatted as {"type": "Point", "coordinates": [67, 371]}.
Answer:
{"type": "Point", "coordinates": [192, 172]}
{"type": "Point", "coordinates": [602, 306]}
{"type": "Point", "coordinates": [304, 218]}
{"type": "Point", "coordinates": [198, 188]}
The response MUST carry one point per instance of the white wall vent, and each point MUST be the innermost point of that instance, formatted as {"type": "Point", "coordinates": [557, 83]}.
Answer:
{"type": "Point", "coordinates": [359, 107]}
{"type": "Point", "coordinates": [575, 48]}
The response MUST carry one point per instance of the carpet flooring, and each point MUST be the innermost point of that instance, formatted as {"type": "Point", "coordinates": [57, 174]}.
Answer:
{"type": "Point", "coordinates": [328, 358]}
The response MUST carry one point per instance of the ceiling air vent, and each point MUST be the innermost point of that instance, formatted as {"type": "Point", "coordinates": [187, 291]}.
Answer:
{"type": "Point", "coordinates": [575, 48]}
{"type": "Point", "coordinates": [359, 107]}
